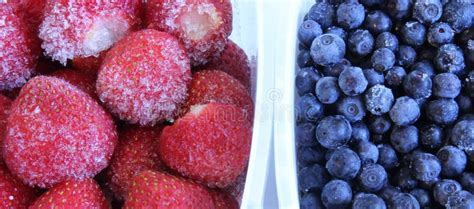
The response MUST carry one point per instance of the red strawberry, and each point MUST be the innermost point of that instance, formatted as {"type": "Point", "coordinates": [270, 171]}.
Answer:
{"type": "Point", "coordinates": [210, 144]}
{"type": "Point", "coordinates": [82, 81]}
{"type": "Point", "coordinates": [73, 194]}
{"type": "Point", "coordinates": [13, 193]}
{"type": "Point", "coordinates": [73, 28]}
{"type": "Point", "coordinates": [159, 190]}
{"type": "Point", "coordinates": [56, 132]}
{"type": "Point", "coordinates": [203, 26]}
{"type": "Point", "coordinates": [88, 65]}
{"type": "Point", "coordinates": [223, 200]}
{"type": "Point", "coordinates": [5, 104]}
{"type": "Point", "coordinates": [135, 153]}
{"type": "Point", "coordinates": [31, 10]}
{"type": "Point", "coordinates": [144, 77]}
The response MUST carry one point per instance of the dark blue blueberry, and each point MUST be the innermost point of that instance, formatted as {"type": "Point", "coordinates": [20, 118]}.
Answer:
{"type": "Point", "coordinates": [323, 13]}
{"type": "Point", "coordinates": [431, 136]}
{"type": "Point", "coordinates": [368, 152]}
{"type": "Point", "coordinates": [440, 33]}
{"type": "Point", "coordinates": [304, 59]}
{"type": "Point", "coordinates": [379, 124]}
{"type": "Point", "coordinates": [446, 85]}
{"type": "Point", "coordinates": [379, 138]}
{"type": "Point", "coordinates": [371, 3]}
{"type": "Point", "coordinates": [305, 134]}
{"type": "Point", "coordinates": [361, 42]}
{"type": "Point", "coordinates": [403, 201]}
{"type": "Point", "coordinates": [327, 90]}
{"type": "Point", "coordinates": [424, 66]}
{"type": "Point", "coordinates": [360, 133]}
{"type": "Point", "coordinates": [377, 22]}
{"type": "Point", "coordinates": [462, 135]}
{"type": "Point", "coordinates": [309, 109]}
{"type": "Point", "coordinates": [467, 181]}
{"type": "Point", "coordinates": [460, 200]}
{"type": "Point", "coordinates": [379, 99]}
{"type": "Point", "coordinates": [389, 191]}
{"type": "Point", "coordinates": [311, 201]}
{"type": "Point", "coordinates": [423, 197]}
{"type": "Point", "coordinates": [373, 77]}
{"type": "Point", "coordinates": [427, 11]}
{"type": "Point", "coordinates": [336, 69]}
{"type": "Point", "coordinates": [425, 167]}
{"type": "Point", "coordinates": [368, 201]}
{"type": "Point", "coordinates": [350, 14]}
{"type": "Point", "coordinates": [382, 59]}
{"type": "Point", "coordinates": [372, 177]}
{"type": "Point", "coordinates": [445, 188]}
{"type": "Point", "coordinates": [469, 84]}
{"type": "Point", "coordinates": [343, 164]}
{"type": "Point", "coordinates": [387, 156]}
{"type": "Point", "coordinates": [336, 194]}
{"type": "Point", "coordinates": [312, 178]}
{"type": "Point", "coordinates": [450, 59]}
{"type": "Point", "coordinates": [442, 111]}
{"type": "Point", "coordinates": [405, 111]}
{"type": "Point", "coordinates": [417, 84]}
{"type": "Point", "coordinates": [405, 180]}
{"type": "Point", "coordinates": [406, 55]}
{"type": "Point", "coordinates": [453, 161]}
{"type": "Point", "coordinates": [387, 40]}
{"type": "Point", "coordinates": [333, 131]}
{"type": "Point", "coordinates": [352, 81]}
{"type": "Point", "coordinates": [306, 80]}
{"type": "Point", "coordinates": [352, 108]}
{"type": "Point", "coordinates": [308, 31]}
{"type": "Point", "coordinates": [404, 138]}
{"type": "Point", "coordinates": [328, 49]}
{"type": "Point", "coordinates": [394, 77]}
{"type": "Point", "coordinates": [413, 33]}
{"type": "Point", "coordinates": [337, 31]}
{"type": "Point", "coordinates": [469, 51]}
{"type": "Point", "coordinates": [468, 116]}
{"type": "Point", "coordinates": [310, 155]}
{"type": "Point", "coordinates": [399, 9]}
{"type": "Point", "coordinates": [458, 15]}
{"type": "Point", "coordinates": [465, 103]}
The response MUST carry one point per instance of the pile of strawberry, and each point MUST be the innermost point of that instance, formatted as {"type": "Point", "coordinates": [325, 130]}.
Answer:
{"type": "Point", "coordinates": [122, 103]}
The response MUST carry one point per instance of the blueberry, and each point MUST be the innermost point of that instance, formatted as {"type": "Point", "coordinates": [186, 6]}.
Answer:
{"type": "Point", "coordinates": [469, 50]}
{"type": "Point", "coordinates": [413, 33]}
{"type": "Point", "coordinates": [423, 197]}
{"type": "Point", "coordinates": [379, 138]}
{"type": "Point", "coordinates": [309, 109]}
{"type": "Point", "coordinates": [403, 201]}
{"type": "Point", "coordinates": [328, 49]}
{"type": "Point", "coordinates": [333, 131]}
{"type": "Point", "coordinates": [460, 200]}
{"type": "Point", "coordinates": [350, 14]}
{"type": "Point", "coordinates": [399, 9]}
{"type": "Point", "coordinates": [405, 111]}
{"type": "Point", "coordinates": [431, 136]}
{"type": "Point", "coordinates": [462, 135]}
{"type": "Point", "coordinates": [405, 180]}
{"type": "Point", "coordinates": [442, 111]}
{"type": "Point", "coordinates": [327, 90]}
{"type": "Point", "coordinates": [417, 84]}
{"type": "Point", "coordinates": [373, 77]}
{"type": "Point", "coordinates": [304, 59]}
{"type": "Point", "coordinates": [336, 194]}
{"type": "Point", "coordinates": [311, 201]}
{"type": "Point", "coordinates": [337, 31]}
{"type": "Point", "coordinates": [308, 31]}
{"type": "Point", "coordinates": [360, 133]}
{"type": "Point", "coordinates": [379, 124]}
{"type": "Point", "coordinates": [424, 66]}
{"type": "Point", "coordinates": [343, 164]}
{"type": "Point", "coordinates": [312, 178]}
{"type": "Point", "coordinates": [453, 161]}
{"type": "Point", "coordinates": [371, 3]}
{"type": "Point", "coordinates": [394, 77]}
{"type": "Point", "coordinates": [446, 85]}
{"type": "Point", "coordinates": [427, 11]}
{"type": "Point", "coordinates": [387, 40]}
{"type": "Point", "coordinates": [310, 155]}
{"type": "Point", "coordinates": [458, 15]}
{"type": "Point", "coordinates": [465, 103]}
{"type": "Point", "coordinates": [382, 59]}
{"type": "Point", "coordinates": [425, 167]}
{"type": "Point", "coordinates": [406, 55]}
{"type": "Point", "coordinates": [377, 22]}
{"type": "Point", "coordinates": [445, 188]}
{"type": "Point", "coordinates": [404, 138]}
{"type": "Point", "coordinates": [306, 80]}
{"type": "Point", "coordinates": [440, 33]}
{"type": "Point", "coordinates": [467, 181]}
{"type": "Point", "coordinates": [368, 152]}
{"type": "Point", "coordinates": [469, 84]}
{"type": "Point", "coordinates": [323, 13]}
{"type": "Point", "coordinates": [352, 81]}
{"type": "Point", "coordinates": [305, 134]}
{"type": "Point", "coordinates": [387, 156]}
{"type": "Point", "coordinates": [372, 177]}
{"type": "Point", "coordinates": [449, 59]}
{"type": "Point", "coordinates": [366, 201]}
{"type": "Point", "coordinates": [336, 69]}
{"type": "Point", "coordinates": [389, 191]}
{"type": "Point", "coordinates": [361, 42]}
{"type": "Point", "coordinates": [379, 99]}
{"type": "Point", "coordinates": [352, 108]}
{"type": "Point", "coordinates": [468, 116]}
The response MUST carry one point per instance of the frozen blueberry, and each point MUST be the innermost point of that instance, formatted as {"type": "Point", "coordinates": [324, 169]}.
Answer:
{"type": "Point", "coordinates": [424, 66]}
{"type": "Point", "coordinates": [377, 22]}
{"type": "Point", "coordinates": [366, 201]}
{"type": "Point", "coordinates": [406, 55]}
{"type": "Point", "coordinates": [431, 136]}
{"type": "Point", "coordinates": [469, 51]}
{"type": "Point", "coordinates": [460, 200]}
{"type": "Point", "coordinates": [352, 81]}
{"type": "Point", "coordinates": [379, 124]}
{"type": "Point", "coordinates": [379, 99]}
{"type": "Point", "coordinates": [361, 42]}
{"type": "Point", "coordinates": [373, 77]}
{"type": "Point", "coordinates": [423, 197]}
{"type": "Point", "coordinates": [333, 131]}
{"type": "Point", "coordinates": [327, 90]}
{"type": "Point", "coordinates": [309, 109]}
{"type": "Point", "coordinates": [413, 33]}
{"type": "Point", "coordinates": [371, 3]}
{"type": "Point", "coordinates": [399, 9]}
{"type": "Point", "coordinates": [450, 59]}
{"type": "Point", "coordinates": [305, 134]}
{"type": "Point", "coordinates": [427, 11]}
{"type": "Point", "coordinates": [336, 194]}
{"type": "Point", "coordinates": [343, 164]}
{"type": "Point", "coordinates": [440, 33]}
{"type": "Point", "coordinates": [312, 178]}
{"type": "Point", "coordinates": [405, 180]}
{"type": "Point", "coordinates": [442, 111]}
{"type": "Point", "coordinates": [394, 77]}
{"type": "Point", "coordinates": [446, 85]}
{"type": "Point", "coordinates": [304, 59]}
{"type": "Point", "coordinates": [382, 59]}
{"type": "Point", "coordinates": [310, 155]}
{"type": "Point", "coordinates": [387, 156]}
{"type": "Point", "coordinates": [352, 108]}
{"type": "Point", "coordinates": [462, 135]}
{"type": "Point", "coordinates": [425, 167]}
{"type": "Point", "coordinates": [350, 14]}
{"type": "Point", "coordinates": [308, 31]}
{"type": "Point", "coordinates": [337, 31]}
{"type": "Point", "coordinates": [404, 138]}
{"type": "Point", "coordinates": [458, 15]}
{"type": "Point", "coordinates": [469, 84]}
{"type": "Point", "coordinates": [405, 111]}
{"type": "Point", "coordinates": [453, 161]}
{"type": "Point", "coordinates": [360, 133]}
{"type": "Point", "coordinates": [445, 188]}
{"type": "Point", "coordinates": [372, 177]}
{"type": "Point", "coordinates": [465, 103]}
{"type": "Point", "coordinates": [335, 70]}
{"type": "Point", "coordinates": [323, 13]}
{"type": "Point", "coordinates": [306, 80]}
{"type": "Point", "coordinates": [368, 152]}
{"type": "Point", "coordinates": [387, 40]}
{"type": "Point", "coordinates": [467, 181]}
{"type": "Point", "coordinates": [311, 201]}
{"type": "Point", "coordinates": [403, 201]}
{"type": "Point", "coordinates": [417, 84]}
{"type": "Point", "coordinates": [328, 49]}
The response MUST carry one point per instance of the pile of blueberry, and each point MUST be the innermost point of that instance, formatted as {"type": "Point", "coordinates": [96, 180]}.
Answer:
{"type": "Point", "coordinates": [385, 108]}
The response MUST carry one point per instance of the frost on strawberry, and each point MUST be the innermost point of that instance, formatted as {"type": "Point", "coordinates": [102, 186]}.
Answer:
{"type": "Point", "coordinates": [85, 82]}
{"type": "Point", "coordinates": [5, 104]}
{"type": "Point", "coordinates": [13, 193]}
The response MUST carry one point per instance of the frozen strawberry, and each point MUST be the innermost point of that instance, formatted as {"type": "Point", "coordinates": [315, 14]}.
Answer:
{"type": "Point", "coordinates": [13, 193]}
{"type": "Point", "coordinates": [56, 132]}
{"type": "Point", "coordinates": [85, 82]}
{"type": "Point", "coordinates": [216, 86]}
{"type": "Point", "coordinates": [203, 26]}
{"type": "Point", "coordinates": [89, 65]}
{"type": "Point", "coordinates": [136, 152]}
{"type": "Point", "coordinates": [17, 57]}
{"type": "Point", "coordinates": [210, 144]}
{"type": "Point", "coordinates": [5, 104]}
{"type": "Point", "coordinates": [159, 190]}
{"type": "Point", "coordinates": [31, 11]}
{"type": "Point", "coordinates": [223, 200]}
{"type": "Point", "coordinates": [73, 28]}
{"type": "Point", "coordinates": [73, 194]}
{"type": "Point", "coordinates": [144, 78]}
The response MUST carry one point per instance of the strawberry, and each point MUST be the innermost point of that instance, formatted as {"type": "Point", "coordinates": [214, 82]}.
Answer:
{"type": "Point", "coordinates": [13, 193]}
{"type": "Point", "coordinates": [5, 104]}
{"type": "Point", "coordinates": [223, 200]}
{"type": "Point", "coordinates": [56, 132]}
{"type": "Point", "coordinates": [88, 65]}
{"type": "Point", "coordinates": [203, 26]}
{"type": "Point", "coordinates": [210, 144]}
{"type": "Point", "coordinates": [144, 78]}
{"type": "Point", "coordinates": [82, 81]}
{"type": "Point", "coordinates": [158, 190]}
{"type": "Point", "coordinates": [31, 11]}
{"type": "Point", "coordinates": [73, 194]}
